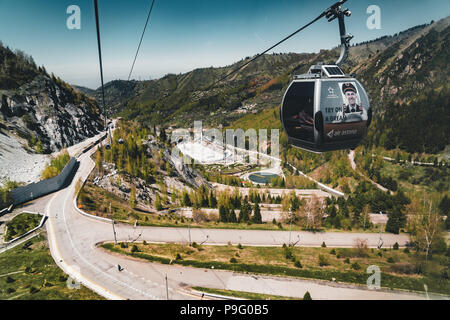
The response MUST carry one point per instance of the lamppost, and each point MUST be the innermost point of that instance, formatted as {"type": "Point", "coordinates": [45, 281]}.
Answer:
{"type": "Point", "coordinates": [112, 221]}
{"type": "Point", "coordinates": [290, 227]}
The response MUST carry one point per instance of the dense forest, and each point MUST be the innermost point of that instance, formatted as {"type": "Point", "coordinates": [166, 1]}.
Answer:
{"type": "Point", "coordinates": [423, 125]}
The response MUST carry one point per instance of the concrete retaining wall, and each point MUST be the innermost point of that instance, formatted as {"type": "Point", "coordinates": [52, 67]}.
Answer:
{"type": "Point", "coordinates": [35, 190]}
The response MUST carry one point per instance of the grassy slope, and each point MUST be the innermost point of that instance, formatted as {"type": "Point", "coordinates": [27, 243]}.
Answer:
{"type": "Point", "coordinates": [43, 275]}
{"type": "Point", "coordinates": [272, 260]}
{"type": "Point", "coordinates": [21, 224]}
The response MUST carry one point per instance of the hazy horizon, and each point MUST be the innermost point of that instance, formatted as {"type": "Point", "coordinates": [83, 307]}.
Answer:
{"type": "Point", "coordinates": [183, 36]}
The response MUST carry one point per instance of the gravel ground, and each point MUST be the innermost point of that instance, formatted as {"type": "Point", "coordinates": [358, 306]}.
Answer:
{"type": "Point", "coordinates": [17, 164]}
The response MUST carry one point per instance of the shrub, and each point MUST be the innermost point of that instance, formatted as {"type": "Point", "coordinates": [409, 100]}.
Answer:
{"type": "Point", "coordinates": [347, 260]}
{"type": "Point", "coordinates": [48, 284]}
{"type": "Point", "coordinates": [33, 290]}
{"type": "Point", "coordinates": [298, 264]}
{"type": "Point", "coordinates": [233, 260]}
{"type": "Point", "coordinates": [144, 243]}
{"type": "Point", "coordinates": [439, 246]}
{"type": "Point", "coordinates": [10, 290]}
{"type": "Point", "coordinates": [123, 245]}
{"type": "Point", "coordinates": [406, 250]}
{"type": "Point", "coordinates": [338, 256]}
{"type": "Point", "coordinates": [405, 268]}
{"type": "Point", "coordinates": [390, 260]}
{"type": "Point", "coordinates": [355, 266]}
{"type": "Point", "coordinates": [178, 257]}
{"type": "Point", "coordinates": [307, 296]}
{"type": "Point", "coordinates": [279, 225]}
{"type": "Point", "coordinates": [62, 278]}
{"type": "Point", "coordinates": [199, 216]}
{"type": "Point", "coordinates": [361, 248]}
{"type": "Point", "coordinates": [134, 248]}
{"type": "Point", "coordinates": [194, 244]}
{"type": "Point", "coordinates": [9, 280]}
{"type": "Point", "coordinates": [274, 221]}
{"type": "Point", "coordinates": [323, 245]}
{"type": "Point", "coordinates": [288, 253]}
{"type": "Point", "coordinates": [239, 246]}
{"type": "Point", "coordinates": [323, 260]}
{"type": "Point", "coordinates": [395, 246]}
{"type": "Point", "coordinates": [333, 251]}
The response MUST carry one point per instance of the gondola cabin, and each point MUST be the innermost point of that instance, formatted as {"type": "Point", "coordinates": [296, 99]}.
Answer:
{"type": "Point", "coordinates": [325, 110]}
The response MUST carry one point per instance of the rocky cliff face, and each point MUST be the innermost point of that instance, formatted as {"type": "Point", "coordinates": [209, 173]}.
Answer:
{"type": "Point", "coordinates": [40, 108]}
{"type": "Point", "coordinates": [49, 114]}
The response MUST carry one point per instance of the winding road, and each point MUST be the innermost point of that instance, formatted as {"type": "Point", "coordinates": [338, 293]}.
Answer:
{"type": "Point", "coordinates": [73, 240]}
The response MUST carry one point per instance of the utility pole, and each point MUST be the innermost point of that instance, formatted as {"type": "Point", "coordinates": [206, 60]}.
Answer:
{"type": "Point", "coordinates": [290, 228]}
{"type": "Point", "coordinates": [189, 230]}
{"type": "Point", "coordinates": [167, 288]}
{"type": "Point", "coordinates": [112, 220]}
{"type": "Point", "coordinates": [380, 241]}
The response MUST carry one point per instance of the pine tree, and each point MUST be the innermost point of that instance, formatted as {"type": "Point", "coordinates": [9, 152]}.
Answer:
{"type": "Point", "coordinates": [396, 220]}
{"type": "Point", "coordinates": [256, 214]}
{"type": "Point", "coordinates": [132, 200]}
{"type": "Point", "coordinates": [244, 214]}
{"type": "Point", "coordinates": [232, 216]}
{"type": "Point", "coordinates": [223, 214]}
{"type": "Point", "coordinates": [212, 201]}
{"type": "Point", "coordinates": [158, 205]}
{"type": "Point", "coordinates": [186, 199]}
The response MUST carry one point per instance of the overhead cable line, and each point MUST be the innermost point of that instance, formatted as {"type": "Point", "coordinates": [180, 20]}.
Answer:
{"type": "Point", "coordinates": [323, 14]}
{"type": "Point", "coordinates": [142, 37]}
{"type": "Point", "coordinates": [100, 57]}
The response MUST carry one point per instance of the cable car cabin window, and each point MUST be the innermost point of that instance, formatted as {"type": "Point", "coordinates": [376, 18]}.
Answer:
{"type": "Point", "coordinates": [298, 106]}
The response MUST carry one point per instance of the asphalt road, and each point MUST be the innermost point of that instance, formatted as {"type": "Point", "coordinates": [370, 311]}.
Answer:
{"type": "Point", "coordinates": [73, 238]}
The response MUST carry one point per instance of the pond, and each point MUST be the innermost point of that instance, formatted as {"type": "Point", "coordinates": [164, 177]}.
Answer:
{"type": "Point", "coordinates": [262, 177]}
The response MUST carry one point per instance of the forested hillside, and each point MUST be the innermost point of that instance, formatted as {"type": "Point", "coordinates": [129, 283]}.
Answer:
{"type": "Point", "coordinates": [400, 72]}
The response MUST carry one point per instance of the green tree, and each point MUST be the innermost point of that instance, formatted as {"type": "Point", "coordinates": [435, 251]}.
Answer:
{"type": "Point", "coordinates": [256, 214]}
{"type": "Point", "coordinates": [212, 201]}
{"type": "Point", "coordinates": [39, 148]}
{"type": "Point", "coordinates": [223, 214]}
{"type": "Point", "coordinates": [425, 225]}
{"type": "Point", "coordinates": [232, 216]}
{"type": "Point", "coordinates": [307, 296]}
{"type": "Point", "coordinates": [132, 200]}
{"type": "Point", "coordinates": [186, 200]}
{"type": "Point", "coordinates": [396, 220]}
{"type": "Point", "coordinates": [158, 205]}
{"type": "Point", "coordinates": [244, 214]}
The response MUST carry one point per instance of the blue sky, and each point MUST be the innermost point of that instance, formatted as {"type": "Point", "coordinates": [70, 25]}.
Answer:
{"type": "Point", "coordinates": [186, 34]}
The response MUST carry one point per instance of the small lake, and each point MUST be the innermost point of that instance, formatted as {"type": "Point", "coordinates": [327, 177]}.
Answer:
{"type": "Point", "coordinates": [262, 177]}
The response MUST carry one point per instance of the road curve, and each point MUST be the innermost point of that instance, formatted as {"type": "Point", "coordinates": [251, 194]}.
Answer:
{"type": "Point", "coordinates": [73, 238]}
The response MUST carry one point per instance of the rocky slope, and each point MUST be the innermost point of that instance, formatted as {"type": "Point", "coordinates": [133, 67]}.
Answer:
{"type": "Point", "coordinates": [42, 109]}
